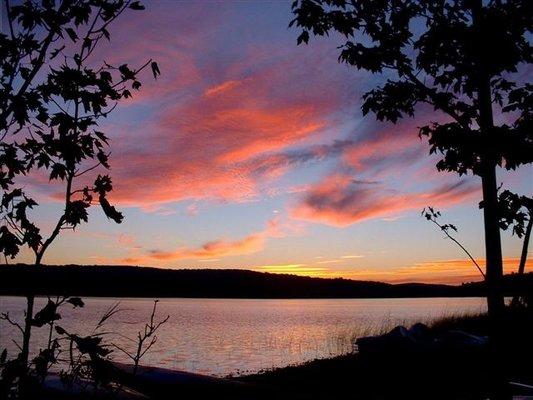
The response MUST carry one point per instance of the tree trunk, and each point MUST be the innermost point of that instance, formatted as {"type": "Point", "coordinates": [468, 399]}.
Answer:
{"type": "Point", "coordinates": [493, 248]}
{"type": "Point", "coordinates": [30, 301]}
{"type": "Point", "coordinates": [493, 245]}
{"type": "Point", "coordinates": [523, 257]}
{"type": "Point", "coordinates": [525, 245]}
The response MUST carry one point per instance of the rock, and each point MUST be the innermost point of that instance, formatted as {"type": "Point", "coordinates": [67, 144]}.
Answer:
{"type": "Point", "coordinates": [397, 339]}
{"type": "Point", "coordinates": [420, 331]}
{"type": "Point", "coordinates": [461, 339]}
{"type": "Point", "coordinates": [159, 382]}
{"type": "Point", "coordinates": [54, 388]}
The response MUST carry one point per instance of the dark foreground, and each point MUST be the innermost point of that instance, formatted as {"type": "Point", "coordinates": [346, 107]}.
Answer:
{"type": "Point", "coordinates": [449, 371]}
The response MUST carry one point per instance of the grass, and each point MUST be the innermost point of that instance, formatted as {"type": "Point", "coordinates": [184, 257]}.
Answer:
{"type": "Point", "coordinates": [476, 324]}
{"type": "Point", "coordinates": [451, 373]}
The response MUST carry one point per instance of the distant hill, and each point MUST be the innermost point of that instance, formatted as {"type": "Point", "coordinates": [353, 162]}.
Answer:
{"type": "Point", "coordinates": [128, 281]}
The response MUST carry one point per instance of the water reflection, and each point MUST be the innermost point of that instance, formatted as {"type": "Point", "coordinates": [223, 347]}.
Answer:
{"type": "Point", "coordinates": [223, 336]}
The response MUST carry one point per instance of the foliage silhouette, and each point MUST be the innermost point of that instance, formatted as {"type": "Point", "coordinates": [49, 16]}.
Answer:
{"type": "Point", "coordinates": [51, 98]}
{"type": "Point", "coordinates": [516, 212]}
{"type": "Point", "coordinates": [459, 57]}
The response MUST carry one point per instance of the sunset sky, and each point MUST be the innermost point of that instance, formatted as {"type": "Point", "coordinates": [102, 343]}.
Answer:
{"type": "Point", "coordinates": [251, 152]}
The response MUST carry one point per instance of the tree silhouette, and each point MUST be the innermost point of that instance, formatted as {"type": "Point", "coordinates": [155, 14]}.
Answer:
{"type": "Point", "coordinates": [516, 212]}
{"type": "Point", "coordinates": [459, 57]}
{"type": "Point", "coordinates": [51, 98]}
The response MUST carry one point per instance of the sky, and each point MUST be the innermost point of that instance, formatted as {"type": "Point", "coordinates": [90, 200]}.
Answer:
{"type": "Point", "coordinates": [251, 152]}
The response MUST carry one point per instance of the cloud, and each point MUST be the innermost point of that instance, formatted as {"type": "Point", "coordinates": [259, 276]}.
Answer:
{"type": "Point", "coordinates": [378, 175]}
{"type": "Point", "coordinates": [207, 127]}
{"type": "Point", "coordinates": [192, 209]}
{"type": "Point", "coordinates": [224, 123]}
{"type": "Point", "coordinates": [277, 163]}
{"type": "Point", "coordinates": [214, 249]}
{"type": "Point", "coordinates": [329, 262]}
{"type": "Point", "coordinates": [217, 89]}
{"type": "Point", "coordinates": [339, 201]}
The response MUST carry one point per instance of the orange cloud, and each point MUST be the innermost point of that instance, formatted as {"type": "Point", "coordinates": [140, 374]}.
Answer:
{"type": "Point", "coordinates": [218, 248]}
{"type": "Point", "coordinates": [214, 249]}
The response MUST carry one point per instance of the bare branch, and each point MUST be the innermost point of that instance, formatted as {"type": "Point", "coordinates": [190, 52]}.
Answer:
{"type": "Point", "coordinates": [432, 215]}
{"type": "Point", "coordinates": [6, 317]}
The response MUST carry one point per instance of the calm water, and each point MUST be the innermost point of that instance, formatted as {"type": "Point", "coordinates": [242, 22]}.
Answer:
{"type": "Point", "coordinates": [220, 336]}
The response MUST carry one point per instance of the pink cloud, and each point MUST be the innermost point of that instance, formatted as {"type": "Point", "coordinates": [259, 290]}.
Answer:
{"type": "Point", "coordinates": [225, 86]}
{"type": "Point", "coordinates": [340, 201]}
{"type": "Point", "coordinates": [210, 145]}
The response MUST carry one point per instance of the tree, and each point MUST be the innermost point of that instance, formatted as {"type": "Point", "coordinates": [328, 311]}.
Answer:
{"type": "Point", "coordinates": [51, 98]}
{"type": "Point", "coordinates": [516, 212]}
{"type": "Point", "coordinates": [461, 58]}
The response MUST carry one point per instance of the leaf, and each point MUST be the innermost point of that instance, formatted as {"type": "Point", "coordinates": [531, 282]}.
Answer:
{"type": "Point", "coordinates": [155, 69]}
{"type": "Point", "coordinates": [110, 211]}
{"type": "Point", "coordinates": [54, 53]}
{"type": "Point", "coordinates": [59, 171]}
{"type": "Point", "coordinates": [47, 315]}
{"type": "Point", "coordinates": [136, 5]}
{"type": "Point", "coordinates": [103, 158]}
{"type": "Point", "coordinates": [76, 301]}
{"type": "Point", "coordinates": [91, 345]}
{"type": "Point", "coordinates": [76, 212]}
{"type": "Point", "coordinates": [303, 38]}
{"type": "Point", "coordinates": [102, 136]}
{"type": "Point", "coordinates": [72, 34]}
{"type": "Point", "coordinates": [103, 184]}
{"type": "Point", "coordinates": [106, 76]}
{"type": "Point", "coordinates": [87, 43]}
{"type": "Point", "coordinates": [9, 243]}
{"type": "Point", "coordinates": [60, 330]}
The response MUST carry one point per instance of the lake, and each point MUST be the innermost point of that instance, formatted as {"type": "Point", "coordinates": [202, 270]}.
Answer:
{"type": "Point", "coordinates": [232, 336]}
